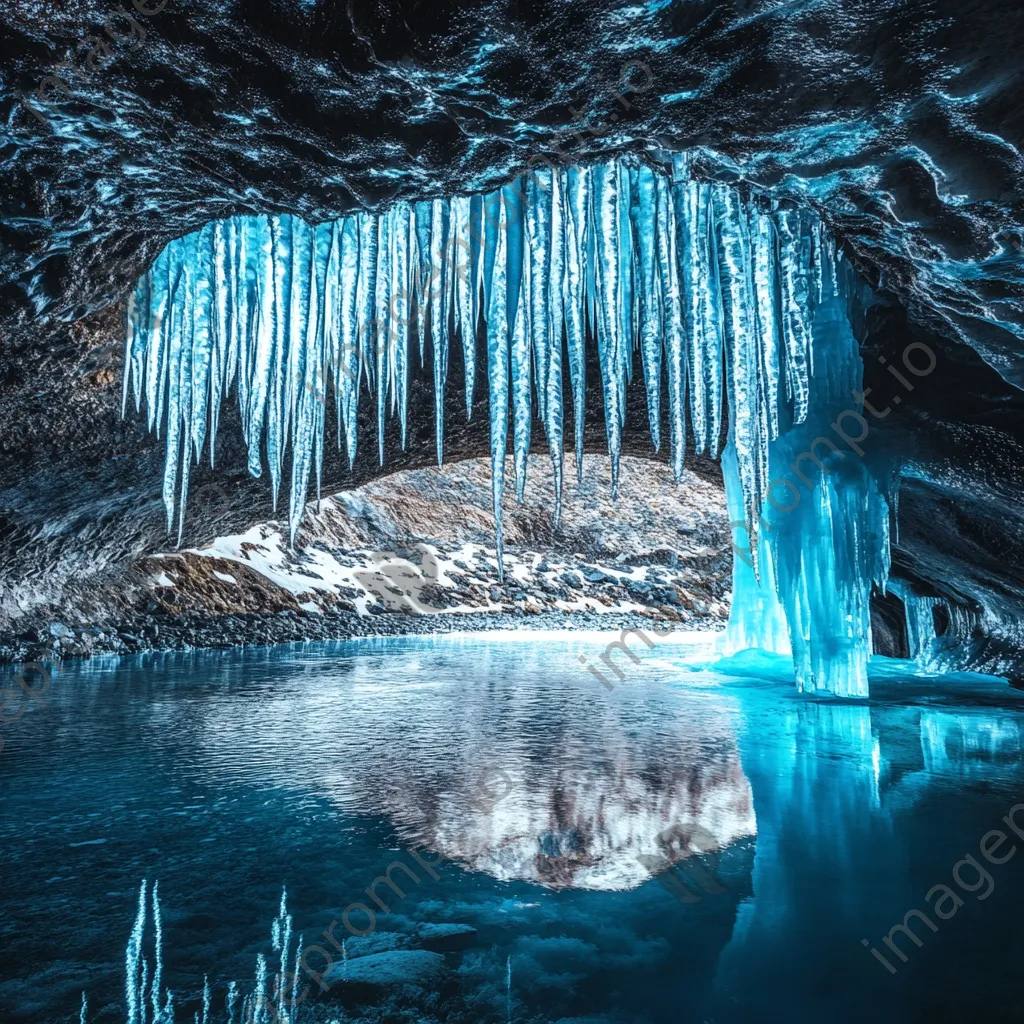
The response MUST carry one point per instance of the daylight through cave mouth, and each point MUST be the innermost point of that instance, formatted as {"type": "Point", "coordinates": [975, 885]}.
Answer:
{"type": "Point", "coordinates": [734, 302]}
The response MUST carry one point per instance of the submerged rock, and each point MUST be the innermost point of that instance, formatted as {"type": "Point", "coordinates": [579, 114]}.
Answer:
{"type": "Point", "coordinates": [444, 938]}
{"type": "Point", "coordinates": [375, 942]}
{"type": "Point", "coordinates": [418, 967]}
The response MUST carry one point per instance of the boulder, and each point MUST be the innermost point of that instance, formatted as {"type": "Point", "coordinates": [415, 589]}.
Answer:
{"type": "Point", "coordinates": [443, 938]}
{"type": "Point", "coordinates": [383, 971]}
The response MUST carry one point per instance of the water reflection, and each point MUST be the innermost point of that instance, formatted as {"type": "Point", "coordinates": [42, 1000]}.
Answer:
{"type": "Point", "coordinates": [817, 824]}
{"type": "Point", "coordinates": [591, 783]}
{"type": "Point", "coordinates": [860, 810]}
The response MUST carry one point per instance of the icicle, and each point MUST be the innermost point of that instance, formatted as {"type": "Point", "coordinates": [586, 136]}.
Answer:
{"type": "Point", "coordinates": [463, 277]}
{"type": "Point", "coordinates": [347, 387]}
{"type": "Point", "coordinates": [817, 271]}
{"type": "Point", "coordinates": [647, 221]}
{"type": "Point", "coordinates": [283, 307]}
{"type": "Point", "coordinates": [577, 182]}
{"type": "Point", "coordinates": [163, 283]}
{"type": "Point", "coordinates": [382, 326]}
{"type": "Point", "coordinates": [478, 249]}
{"type": "Point", "coordinates": [242, 275]}
{"type": "Point", "coordinates": [135, 343]}
{"type": "Point", "coordinates": [794, 288]}
{"type": "Point", "coordinates": [704, 316]}
{"type": "Point", "coordinates": [306, 383]}
{"type": "Point", "coordinates": [173, 440]}
{"type": "Point", "coordinates": [299, 284]}
{"type": "Point", "coordinates": [553, 418]}
{"type": "Point", "coordinates": [404, 234]}
{"type": "Point", "coordinates": [744, 357]}
{"type": "Point", "coordinates": [627, 310]}
{"type": "Point", "coordinates": [366, 291]}
{"type": "Point", "coordinates": [609, 312]}
{"type": "Point", "coordinates": [672, 330]}
{"type": "Point", "coordinates": [439, 319]}
{"type": "Point", "coordinates": [498, 374]}
{"type": "Point", "coordinates": [263, 342]}
{"type": "Point", "coordinates": [520, 311]}
{"type": "Point", "coordinates": [765, 271]}
{"type": "Point", "coordinates": [423, 215]}
{"type": "Point", "coordinates": [538, 224]}
{"type": "Point", "coordinates": [221, 328]}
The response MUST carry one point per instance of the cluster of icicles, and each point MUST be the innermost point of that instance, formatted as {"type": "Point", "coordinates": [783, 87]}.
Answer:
{"type": "Point", "coordinates": [715, 291]}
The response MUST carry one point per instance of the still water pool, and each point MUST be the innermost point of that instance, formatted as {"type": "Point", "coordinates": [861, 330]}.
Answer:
{"type": "Point", "coordinates": [698, 844]}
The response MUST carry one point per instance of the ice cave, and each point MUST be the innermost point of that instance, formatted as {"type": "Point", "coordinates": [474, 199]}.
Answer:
{"type": "Point", "coordinates": [511, 512]}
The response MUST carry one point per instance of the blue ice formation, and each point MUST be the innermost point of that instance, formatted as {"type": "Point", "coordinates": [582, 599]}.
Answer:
{"type": "Point", "coordinates": [930, 649]}
{"type": "Point", "coordinates": [738, 306]}
{"type": "Point", "coordinates": [824, 518]}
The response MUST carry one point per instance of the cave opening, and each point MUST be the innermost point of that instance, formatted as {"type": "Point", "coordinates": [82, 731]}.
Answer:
{"type": "Point", "coordinates": [737, 313]}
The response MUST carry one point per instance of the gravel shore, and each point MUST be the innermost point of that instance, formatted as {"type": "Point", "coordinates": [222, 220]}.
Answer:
{"type": "Point", "coordinates": [181, 633]}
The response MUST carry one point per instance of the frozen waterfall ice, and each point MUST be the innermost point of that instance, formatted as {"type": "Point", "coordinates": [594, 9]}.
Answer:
{"type": "Point", "coordinates": [736, 308]}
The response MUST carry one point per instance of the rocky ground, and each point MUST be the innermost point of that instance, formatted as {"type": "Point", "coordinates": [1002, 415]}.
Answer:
{"type": "Point", "coordinates": [413, 553]}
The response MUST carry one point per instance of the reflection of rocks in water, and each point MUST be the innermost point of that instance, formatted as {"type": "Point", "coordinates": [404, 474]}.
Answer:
{"type": "Point", "coordinates": [611, 830]}
{"type": "Point", "coordinates": [595, 798]}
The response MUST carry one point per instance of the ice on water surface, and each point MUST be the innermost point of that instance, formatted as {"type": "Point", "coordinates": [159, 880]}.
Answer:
{"type": "Point", "coordinates": [727, 303]}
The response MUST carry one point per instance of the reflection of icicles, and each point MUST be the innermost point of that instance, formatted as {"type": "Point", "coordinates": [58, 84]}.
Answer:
{"type": "Point", "coordinates": [84, 1011]}
{"type": "Point", "coordinates": [712, 290]}
{"type": "Point", "coordinates": [256, 1008]}
{"type": "Point", "coordinates": [231, 1002]}
{"type": "Point", "coordinates": [955, 744]}
{"type": "Point", "coordinates": [508, 989]}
